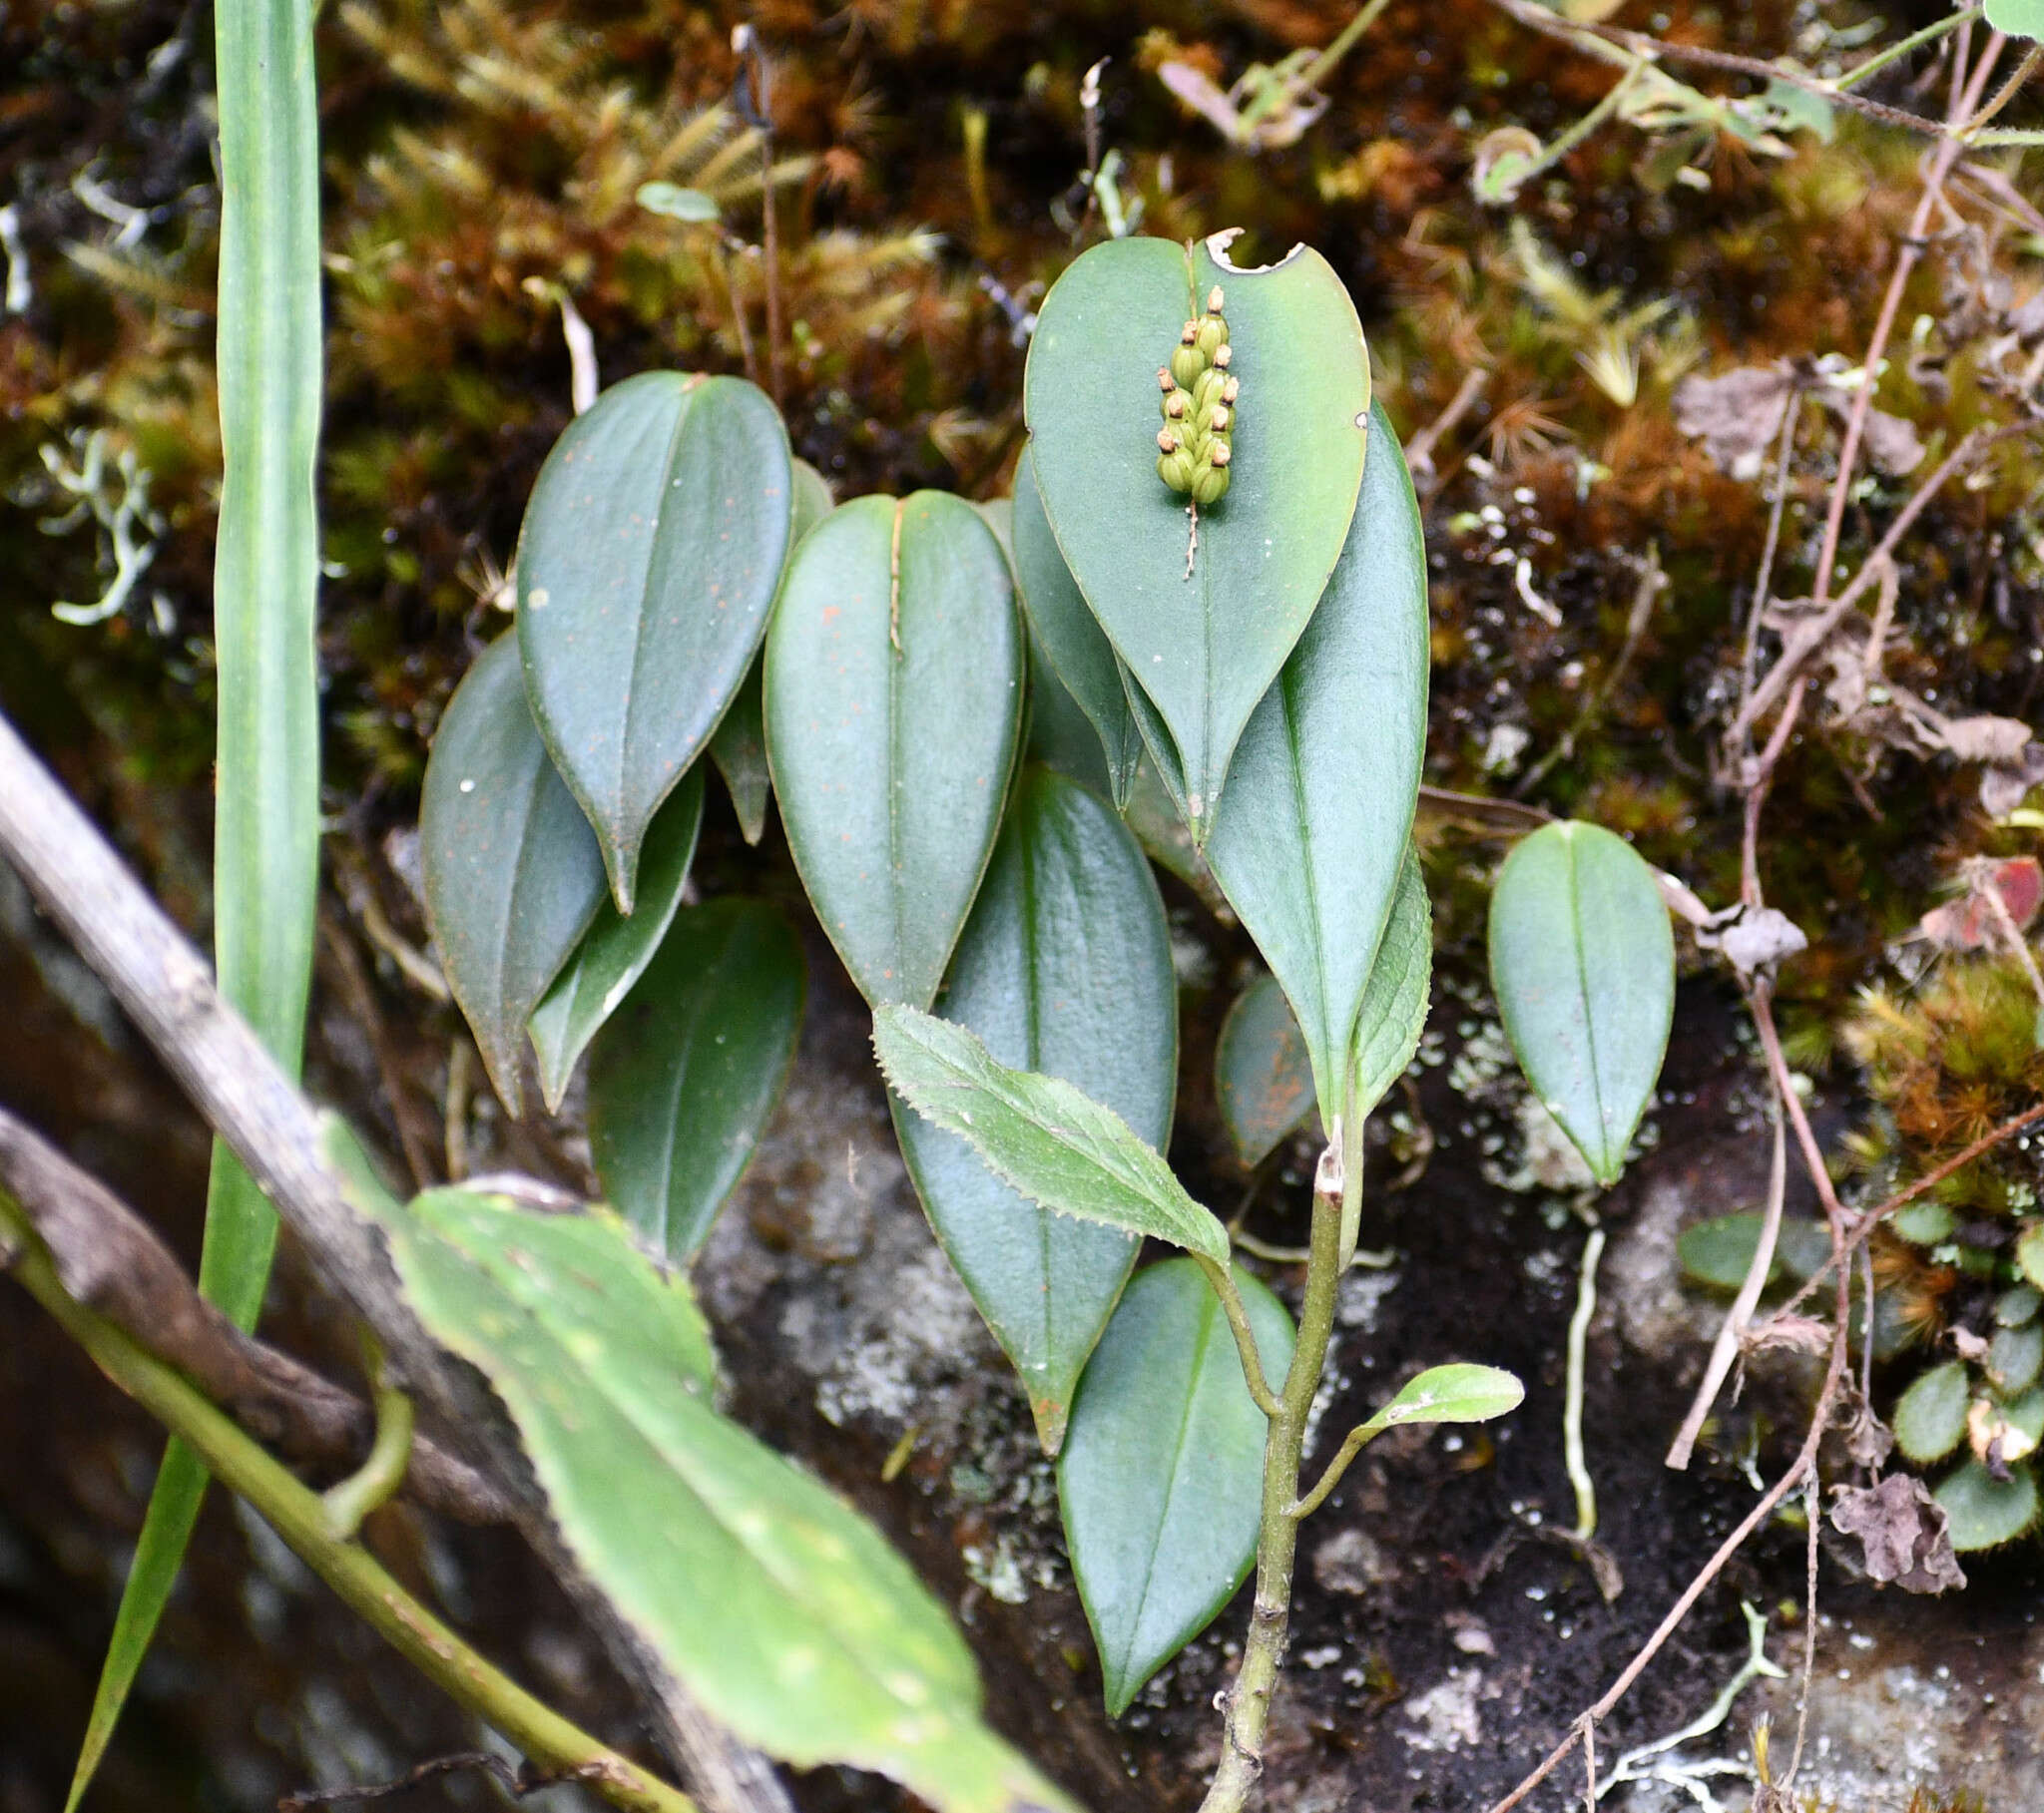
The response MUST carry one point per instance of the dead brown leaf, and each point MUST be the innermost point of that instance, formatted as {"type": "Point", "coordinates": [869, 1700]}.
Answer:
{"type": "Point", "coordinates": [1903, 1533]}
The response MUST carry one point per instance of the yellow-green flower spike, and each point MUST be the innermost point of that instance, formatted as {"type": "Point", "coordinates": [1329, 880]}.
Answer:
{"type": "Point", "coordinates": [1197, 400]}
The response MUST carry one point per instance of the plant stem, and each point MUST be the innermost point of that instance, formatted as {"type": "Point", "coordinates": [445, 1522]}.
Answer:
{"type": "Point", "coordinates": [1903, 46]}
{"type": "Point", "coordinates": [299, 1515]}
{"type": "Point", "coordinates": [1248, 1702]}
{"type": "Point", "coordinates": [1572, 1411]}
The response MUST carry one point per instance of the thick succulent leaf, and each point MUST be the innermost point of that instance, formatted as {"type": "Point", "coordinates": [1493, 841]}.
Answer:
{"type": "Point", "coordinates": [1204, 649]}
{"type": "Point", "coordinates": [512, 871]}
{"type": "Point", "coordinates": [1052, 1142]}
{"type": "Point", "coordinates": [1931, 1417]}
{"type": "Point", "coordinates": [685, 1076]}
{"type": "Point", "coordinates": [1072, 640]}
{"type": "Point", "coordinates": [1065, 969]}
{"type": "Point", "coordinates": [615, 951]}
{"type": "Point", "coordinates": [1314, 838]}
{"type": "Point", "coordinates": [1583, 962]}
{"type": "Point", "coordinates": [1160, 1479]}
{"type": "Point", "coordinates": [783, 1611]}
{"type": "Point", "coordinates": [1983, 1512]}
{"type": "Point", "coordinates": [1262, 1074]}
{"type": "Point", "coordinates": [893, 702]}
{"type": "Point", "coordinates": [1393, 1013]}
{"type": "Point", "coordinates": [1719, 1252]}
{"type": "Point", "coordinates": [1460, 1393]}
{"type": "Point", "coordinates": [652, 547]}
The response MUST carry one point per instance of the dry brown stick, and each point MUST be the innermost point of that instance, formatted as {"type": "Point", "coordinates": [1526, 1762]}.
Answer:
{"type": "Point", "coordinates": [167, 989]}
{"type": "Point", "coordinates": [110, 1261]}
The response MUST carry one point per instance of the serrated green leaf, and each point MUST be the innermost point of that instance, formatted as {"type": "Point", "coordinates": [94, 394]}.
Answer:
{"type": "Point", "coordinates": [1206, 649]}
{"type": "Point", "coordinates": [2030, 1254]}
{"type": "Point", "coordinates": [1393, 1013]}
{"type": "Point", "coordinates": [1719, 1252]}
{"type": "Point", "coordinates": [684, 1078]}
{"type": "Point", "coordinates": [1312, 842]}
{"type": "Point", "coordinates": [1925, 1223]}
{"type": "Point", "coordinates": [513, 875]}
{"type": "Point", "coordinates": [2027, 1413]}
{"type": "Point", "coordinates": [652, 547]}
{"type": "Point", "coordinates": [1983, 1512]}
{"type": "Point", "coordinates": [615, 951]}
{"type": "Point", "coordinates": [1160, 1479]}
{"type": "Point", "coordinates": [2014, 1357]}
{"type": "Point", "coordinates": [1073, 643]}
{"type": "Point", "coordinates": [2019, 18]}
{"type": "Point", "coordinates": [894, 705]}
{"type": "Point", "coordinates": [1064, 969]}
{"type": "Point", "coordinates": [1051, 1143]}
{"type": "Point", "coordinates": [1583, 962]}
{"type": "Point", "coordinates": [1262, 1074]}
{"type": "Point", "coordinates": [1931, 1417]}
{"type": "Point", "coordinates": [782, 1611]}
{"type": "Point", "coordinates": [739, 747]}
{"type": "Point", "coordinates": [1459, 1393]}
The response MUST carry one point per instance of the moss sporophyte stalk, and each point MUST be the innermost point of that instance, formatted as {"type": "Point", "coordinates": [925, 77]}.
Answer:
{"type": "Point", "coordinates": [1195, 444]}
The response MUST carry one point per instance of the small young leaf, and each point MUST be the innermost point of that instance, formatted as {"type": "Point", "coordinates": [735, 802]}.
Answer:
{"type": "Point", "coordinates": [1072, 640]}
{"type": "Point", "coordinates": [2019, 18]}
{"type": "Point", "coordinates": [1719, 1252]}
{"type": "Point", "coordinates": [615, 951]}
{"type": "Point", "coordinates": [1262, 1074]}
{"type": "Point", "coordinates": [1054, 1145]}
{"type": "Point", "coordinates": [1931, 1417]}
{"type": "Point", "coordinates": [683, 1078]}
{"type": "Point", "coordinates": [1393, 1013]}
{"type": "Point", "coordinates": [1160, 1479]}
{"type": "Point", "coordinates": [779, 1608]}
{"type": "Point", "coordinates": [739, 747]}
{"type": "Point", "coordinates": [1451, 1394]}
{"type": "Point", "coordinates": [1583, 962]}
{"type": "Point", "coordinates": [1984, 1511]}
{"type": "Point", "coordinates": [650, 550]}
{"type": "Point", "coordinates": [1204, 649]}
{"type": "Point", "coordinates": [2017, 1306]}
{"type": "Point", "coordinates": [1930, 1225]}
{"type": "Point", "coordinates": [513, 875]}
{"type": "Point", "coordinates": [676, 203]}
{"type": "Point", "coordinates": [1311, 844]}
{"type": "Point", "coordinates": [894, 700]}
{"type": "Point", "coordinates": [1064, 967]}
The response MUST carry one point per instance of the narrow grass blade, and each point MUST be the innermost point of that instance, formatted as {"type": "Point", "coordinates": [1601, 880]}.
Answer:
{"type": "Point", "coordinates": [265, 578]}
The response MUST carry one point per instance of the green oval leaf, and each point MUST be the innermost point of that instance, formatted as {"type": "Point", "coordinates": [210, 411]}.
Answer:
{"type": "Point", "coordinates": [894, 704]}
{"type": "Point", "coordinates": [2029, 1253]}
{"type": "Point", "coordinates": [1312, 842]}
{"type": "Point", "coordinates": [1262, 1074]}
{"type": "Point", "coordinates": [683, 1078]}
{"type": "Point", "coordinates": [1983, 1512]}
{"type": "Point", "coordinates": [2019, 18]}
{"type": "Point", "coordinates": [1075, 645]}
{"type": "Point", "coordinates": [1160, 1479]}
{"type": "Point", "coordinates": [1719, 1252]}
{"type": "Point", "coordinates": [1205, 649]}
{"type": "Point", "coordinates": [676, 202]}
{"type": "Point", "coordinates": [2014, 1357]}
{"type": "Point", "coordinates": [2017, 1304]}
{"type": "Point", "coordinates": [783, 1611]}
{"type": "Point", "coordinates": [1459, 1393]}
{"type": "Point", "coordinates": [650, 550]}
{"type": "Point", "coordinates": [1931, 1417]}
{"type": "Point", "coordinates": [1583, 962]}
{"type": "Point", "coordinates": [1392, 1016]}
{"type": "Point", "coordinates": [739, 747]}
{"type": "Point", "coordinates": [615, 951]}
{"type": "Point", "coordinates": [1050, 1142]}
{"type": "Point", "coordinates": [1064, 969]}
{"type": "Point", "coordinates": [513, 876]}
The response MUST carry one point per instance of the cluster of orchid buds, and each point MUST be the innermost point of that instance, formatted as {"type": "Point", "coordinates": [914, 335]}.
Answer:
{"type": "Point", "coordinates": [1193, 446]}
